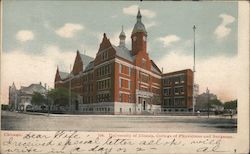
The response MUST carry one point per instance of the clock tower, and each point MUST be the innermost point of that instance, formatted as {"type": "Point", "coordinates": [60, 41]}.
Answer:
{"type": "Point", "coordinates": [139, 36]}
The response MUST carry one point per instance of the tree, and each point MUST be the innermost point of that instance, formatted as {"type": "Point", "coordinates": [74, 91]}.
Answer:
{"type": "Point", "coordinates": [60, 96]}
{"type": "Point", "coordinates": [156, 99]}
{"type": "Point", "coordinates": [231, 104]}
{"type": "Point", "coordinates": [38, 99]}
{"type": "Point", "coordinates": [215, 102]}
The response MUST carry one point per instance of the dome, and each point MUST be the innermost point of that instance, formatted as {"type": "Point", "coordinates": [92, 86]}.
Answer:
{"type": "Point", "coordinates": [139, 26]}
{"type": "Point", "coordinates": [122, 34]}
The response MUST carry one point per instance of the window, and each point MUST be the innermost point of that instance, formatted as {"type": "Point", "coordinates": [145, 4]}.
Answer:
{"type": "Point", "coordinates": [143, 62]}
{"type": "Point", "coordinates": [182, 90]}
{"type": "Point", "coordinates": [120, 68]}
{"type": "Point", "coordinates": [177, 80]}
{"type": "Point", "coordinates": [120, 83]}
{"type": "Point", "coordinates": [120, 97]}
{"type": "Point", "coordinates": [129, 71]}
{"type": "Point", "coordinates": [176, 90]}
{"type": "Point", "coordinates": [167, 91]}
{"type": "Point", "coordinates": [104, 55]}
{"type": "Point", "coordinates": [134, 38]}
{"type": "Point", "coordinates": [182, 79]}
{"type": "Point", "coordinates": [108, 69]}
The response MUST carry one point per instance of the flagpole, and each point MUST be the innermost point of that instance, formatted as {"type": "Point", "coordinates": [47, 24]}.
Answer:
{"type": "Point", "coordinates": [70, 88]}
{"type": "Point", "coordinates": [194, 73]}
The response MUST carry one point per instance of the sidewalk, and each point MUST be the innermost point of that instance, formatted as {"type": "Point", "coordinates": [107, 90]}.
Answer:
{"type": "Point", "coordinates": [132, 116]}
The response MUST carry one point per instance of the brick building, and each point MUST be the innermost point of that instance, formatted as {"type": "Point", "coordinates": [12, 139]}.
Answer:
{"type": "Point", "coordinates": [177, 91]}
{"type": "Point", "coordinates": [117, 80]}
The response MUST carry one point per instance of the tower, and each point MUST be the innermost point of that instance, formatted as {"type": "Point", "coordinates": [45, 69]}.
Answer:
{"type": "Point", "coordinates": [139, 36]}
{"type": "Point", "coordinates": [122, 37]}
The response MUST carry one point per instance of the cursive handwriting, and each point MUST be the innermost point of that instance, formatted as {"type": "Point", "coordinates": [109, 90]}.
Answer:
{"type": "Point", "coordinates": [75, 142]}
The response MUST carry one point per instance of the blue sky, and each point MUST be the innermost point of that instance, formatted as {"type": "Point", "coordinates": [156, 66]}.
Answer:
{"type": "Point", "coordinates": [48, 33]}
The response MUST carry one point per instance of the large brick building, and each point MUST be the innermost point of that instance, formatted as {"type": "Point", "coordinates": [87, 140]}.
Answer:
{"type": "Point", "coordinates": [177, 91]}
{"type": "Point", "coordinates": [119, 80]}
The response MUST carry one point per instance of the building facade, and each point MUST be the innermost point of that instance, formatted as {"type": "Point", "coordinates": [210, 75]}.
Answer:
{"type": "Point", "coordinates": [177, 91]}
{"type": "Point", "coordinates": [117, 80]}
{"type": "Point", "coordinates": [20, 99]}
{"type": "Point", "coordinates": [203, 99]}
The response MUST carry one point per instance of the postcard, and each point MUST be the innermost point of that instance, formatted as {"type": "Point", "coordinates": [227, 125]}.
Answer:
{"type": "Point", "coordinates": [108, 77]}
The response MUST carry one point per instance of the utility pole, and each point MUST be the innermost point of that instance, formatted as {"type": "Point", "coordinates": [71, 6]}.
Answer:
{"type": "Point", "coordinates": [70, 88]}
{"type": "Point", "coordinates": [194, 73]}
{"type": "Point", "coordinates": [208, 99]}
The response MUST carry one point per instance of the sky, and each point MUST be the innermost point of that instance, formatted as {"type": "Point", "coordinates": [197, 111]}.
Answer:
{"type": "Point", "coordinates": [40, 35]}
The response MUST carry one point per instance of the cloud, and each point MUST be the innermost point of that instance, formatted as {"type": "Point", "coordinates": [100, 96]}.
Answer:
{"type": "Point", "coordinates": [22, 68]}
{"type": "Point", "coordinates": [168, 40]}
{"type": "Point", "coordinates": [223, 30]}
{"type": "Point", "coordinates": [150, 24]}
{"type": "Point", "coordinates": [133, 9]}
{"type": "Point", "coordinates": [69, 30]}
{"type": "Point", "coordinates": [24, 35]}
{"type": "Point", "coordinates": [215, 73]}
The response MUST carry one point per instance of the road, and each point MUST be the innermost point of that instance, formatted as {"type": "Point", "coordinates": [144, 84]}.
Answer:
{"type": "Point", "coordinates": [120, 123]}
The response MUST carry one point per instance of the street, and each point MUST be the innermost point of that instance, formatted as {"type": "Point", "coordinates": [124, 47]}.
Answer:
{"type": "Point", "coordinates": [120, 123]}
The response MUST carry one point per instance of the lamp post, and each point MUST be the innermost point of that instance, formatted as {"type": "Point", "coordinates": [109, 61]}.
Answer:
{"type": "Point", "coordinates": [194, 73]}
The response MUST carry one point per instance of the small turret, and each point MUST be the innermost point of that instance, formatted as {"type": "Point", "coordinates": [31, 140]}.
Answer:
{"type": "Point", "coordinates": [122, 37]}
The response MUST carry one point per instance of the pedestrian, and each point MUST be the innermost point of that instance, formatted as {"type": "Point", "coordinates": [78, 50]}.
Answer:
{"type": "Point", "coordinates": [198, 113]}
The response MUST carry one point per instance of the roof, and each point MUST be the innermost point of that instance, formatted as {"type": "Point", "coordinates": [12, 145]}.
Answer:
{"type": "Point", "coordinates": [139, 26]}
{"type": "Point", "coordinates": [123, 52]}
{"type": "Point", "coordinates": [154, 67]}
{"type": "Point", "coordinates": [89, 66]}
{"type": "Point", "coordinates": [86, 60]}
{"type": "Point", "coordinates": [177, 72]}
{"type": "Point", "coordinates": [33, 88]}
{"type": "Point", "coordinates": [63, 75]}
{"type": "Point", "coordinates": [12, 88]}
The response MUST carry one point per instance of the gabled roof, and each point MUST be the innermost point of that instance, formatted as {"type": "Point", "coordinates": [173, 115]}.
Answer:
{"type": "Point", "coordinates": [123, 52]}
{"type": "Point", "coordinates": [63, 75]}
{"type": "Point", "coordinates": [86, 60]}
{"type": "Point", "coordinates": [155, 68]}
{"type": "Point", "coordinates": [12, 88]}
{"type": "Point", "coordinates": [89, 66]}
{"type": "Point", "coordinates": [33, 88]}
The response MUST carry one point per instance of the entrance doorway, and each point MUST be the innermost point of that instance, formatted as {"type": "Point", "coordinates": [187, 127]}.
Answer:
{"type": "Point", "coordinates": [144, 105]}
{"type": "Point", "coordinates": [76, 105]}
